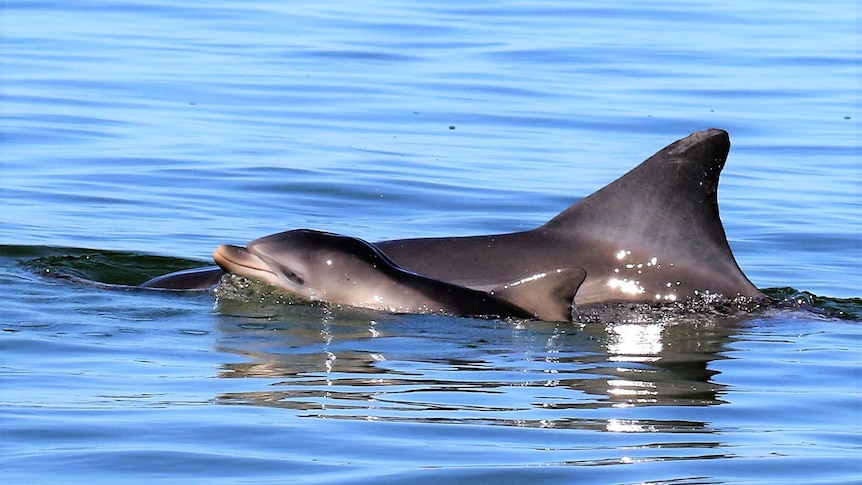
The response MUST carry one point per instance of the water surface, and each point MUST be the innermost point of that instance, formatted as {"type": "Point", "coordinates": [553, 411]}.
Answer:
{"type": "Point", "coordinates": [136, 137]}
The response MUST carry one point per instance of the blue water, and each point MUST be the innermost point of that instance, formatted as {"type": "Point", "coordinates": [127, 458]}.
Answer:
{"type": "Point", "coordinates": [148, 128]}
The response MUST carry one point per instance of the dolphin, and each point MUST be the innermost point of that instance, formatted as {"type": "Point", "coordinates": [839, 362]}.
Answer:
{"type": "Point", "coordinates": [653, 235]}
{"type": "Point", "coordinates": [345, 270]}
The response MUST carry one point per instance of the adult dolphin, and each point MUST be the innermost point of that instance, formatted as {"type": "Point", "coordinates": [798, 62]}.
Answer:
{"type": "Point", "coordinates": [345, 270]}
{"type": "Point", "coordinates": [654, 234]}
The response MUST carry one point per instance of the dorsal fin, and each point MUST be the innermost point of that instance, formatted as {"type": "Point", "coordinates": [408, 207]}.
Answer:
{"type": "Point", "coordinates": [549, 295]}
{"type": "Point", "coordinates": [665, 208]}
{"type": "Point", "coordinates": [681, 177]}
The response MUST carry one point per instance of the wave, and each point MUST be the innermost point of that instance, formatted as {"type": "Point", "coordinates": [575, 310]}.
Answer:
{"type": "Point", "coordinates": [95, 265]}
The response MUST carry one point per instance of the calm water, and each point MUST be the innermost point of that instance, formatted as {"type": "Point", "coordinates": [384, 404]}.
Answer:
{"type": "Point", "coordinates": [145, 129]}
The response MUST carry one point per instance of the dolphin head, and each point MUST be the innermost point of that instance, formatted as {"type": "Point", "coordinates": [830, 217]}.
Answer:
{"type": "Point", "coordinates": [310, 264]}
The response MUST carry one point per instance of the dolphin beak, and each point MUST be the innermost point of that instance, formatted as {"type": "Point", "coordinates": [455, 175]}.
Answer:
{"type": "Point", "coordinates": [238, 260]}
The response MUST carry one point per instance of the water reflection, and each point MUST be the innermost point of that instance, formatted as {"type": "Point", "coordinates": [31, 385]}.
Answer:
{"type": "Point", "coordinates": [667, 364]}
{"type": "Point", "coordinates": [332, 364]}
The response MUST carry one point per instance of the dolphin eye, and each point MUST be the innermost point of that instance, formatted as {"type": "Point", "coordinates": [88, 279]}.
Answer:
{"type": "Point", "coordinates": [291, 275]}
{"type": "Point", "coordinates": [295, 278]}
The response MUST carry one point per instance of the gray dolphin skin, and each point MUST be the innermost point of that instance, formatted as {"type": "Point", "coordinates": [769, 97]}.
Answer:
{"type": "Point", "coordinates": [187, 279]}
{"type": "Point", "coordinates": [652, 235]}
{"type": "Point", "coordinates": [322, 266]}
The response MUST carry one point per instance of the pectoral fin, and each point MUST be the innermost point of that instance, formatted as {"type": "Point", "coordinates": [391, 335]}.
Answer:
{"type": "Point", "coordinates": [549, 295]}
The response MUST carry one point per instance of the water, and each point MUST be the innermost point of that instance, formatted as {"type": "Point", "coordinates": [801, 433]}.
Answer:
{"type": "Point", "coordinates": [136, 137]}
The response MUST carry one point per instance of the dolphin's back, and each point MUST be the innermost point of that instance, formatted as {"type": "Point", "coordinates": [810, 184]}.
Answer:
{"type": "Point", "coordinates": [653, 234]}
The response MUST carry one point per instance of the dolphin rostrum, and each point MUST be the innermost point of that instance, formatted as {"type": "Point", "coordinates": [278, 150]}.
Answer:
{"type": "Point", "coordinates": [653, 235]}
{"type": "Point", "coordinates": [345, 270]}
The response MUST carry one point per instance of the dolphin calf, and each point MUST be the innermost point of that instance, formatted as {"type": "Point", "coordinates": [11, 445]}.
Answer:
{"type": "Point", "coordinates": [653, 235]}
{"type": "Point", "coordinates": [345, 270]}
